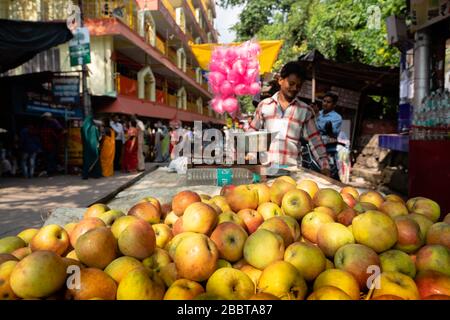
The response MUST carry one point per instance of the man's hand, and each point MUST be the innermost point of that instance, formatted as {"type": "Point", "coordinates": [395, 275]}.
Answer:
{"type": "Point", "coordinates": [326, 172]}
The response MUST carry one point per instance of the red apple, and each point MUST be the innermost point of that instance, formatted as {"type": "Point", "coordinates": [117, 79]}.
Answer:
{"type": "Point", "coordinates": [432, 283]}
{"type": "Point", "coordinates": [182, 200]}
{"type": "Point", "coordinates": [252, 219]}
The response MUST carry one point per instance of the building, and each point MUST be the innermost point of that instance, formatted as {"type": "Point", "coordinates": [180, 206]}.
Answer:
{"type": "Point", "coordinates": [141, 62]}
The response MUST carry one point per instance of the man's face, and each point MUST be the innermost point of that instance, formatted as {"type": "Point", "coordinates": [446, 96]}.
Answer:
{"type": "Point", "coordinates": [328, 104]}
{"type": "Point", "coordinates": [290, 86]}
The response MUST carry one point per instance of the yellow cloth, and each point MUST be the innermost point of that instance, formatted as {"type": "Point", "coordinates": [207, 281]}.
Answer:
{"type": "Point", "coordinates": [107, 153]}
{"type": "Point", "coordinates": [269, 53]}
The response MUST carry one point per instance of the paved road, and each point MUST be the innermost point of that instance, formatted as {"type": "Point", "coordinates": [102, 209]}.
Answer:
{"type": "Point", "coordinates": [25, 203]}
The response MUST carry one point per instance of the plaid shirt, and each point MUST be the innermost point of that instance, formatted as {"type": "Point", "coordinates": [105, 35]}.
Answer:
{"type": "Point", "coordinates": [300, 121]}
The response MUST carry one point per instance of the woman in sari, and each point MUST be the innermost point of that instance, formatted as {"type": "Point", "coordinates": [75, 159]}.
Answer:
{"type": "Point", "coordinates": [130, 158]}
{"type": "Point", "coordinates": [107, 151]}
{"type": "Point", "coordinates": [90, 136]}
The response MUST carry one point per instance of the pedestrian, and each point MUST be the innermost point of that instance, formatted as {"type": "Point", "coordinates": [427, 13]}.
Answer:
{"type": "Point", "coordinates": [90, 137]}
{"type": "Point", "coordinates": [141, 131]}
{"type": "Point", "coordinates": [30, 146]}
{"type": "Point", "coordinates": [292, 119]}
{"type": "Point", "coordinates": [158, 142]}
{"type": "Point", "coordinates": [50, 134]}
{"type": "Point", "coordinates": [130, 157]}
{"type": "Point", "coordinates": [107, 149]}
{"type": "Point", "coordinates": [165, 144]}
{"type": "Point", "coordinates": [117, 126]}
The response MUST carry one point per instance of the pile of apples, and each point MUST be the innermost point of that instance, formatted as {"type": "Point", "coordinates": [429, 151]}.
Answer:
{"type": "Point", "coordinates": [286, 240]}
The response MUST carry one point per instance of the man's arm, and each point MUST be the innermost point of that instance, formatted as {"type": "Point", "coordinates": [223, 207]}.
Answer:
{"type": "Point", "coordinates": [312, 134]}
{"type": "Point", "coordinates": [258, 121]}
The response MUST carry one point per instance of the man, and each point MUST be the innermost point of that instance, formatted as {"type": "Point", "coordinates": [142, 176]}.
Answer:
{"type": "Point", "coordinates": [50, 134]}
{"type": "Point", "coordinates": [141, 131]}
{"type": "Point", "coordinates": [292, 119]}
{"type": "Point", "coordinates": [329, 123]}
{"type": "Point", "coordinates": [117, 126]}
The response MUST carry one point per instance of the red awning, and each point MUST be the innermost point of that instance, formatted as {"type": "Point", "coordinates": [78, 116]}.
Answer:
{"type": "Point", "coordinates": [130, 105]}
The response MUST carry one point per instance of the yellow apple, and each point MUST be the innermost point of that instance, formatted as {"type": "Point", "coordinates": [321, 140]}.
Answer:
{"type": "Point", "coordinates": [311, 224]}
{"type": "Point", "coordinates": [307, 258]}
{"type": "Point", "coordinates": [10, 244]}
{"type": "Point", "coordinates": [278, 189]}
{"type": "Point", "coordinates": [262, 248]}
{"type": "Point", "coordinates": [309, 186]}
{"type": "Point", "coordinates": [340, 279]}
{"type": "Point", "coordinates": [332, 236]}
{"type": "Point", "coordinates": [183, 289]}
{"type": "Point", "coordinates": [263, 192]}
{"type": "Point", "coordinates": [28, 234]}
{"type": "Point", "coordinates": [141, 284]}
{"type": "Point", "coordinates": [230, 216]}
{"type": "Point", "coordinates": [329, 293]}
{"type": "Point", "coordinates": [269, 210]}
{"type": "Point", "coordinates": [199, 217]}
{"type": "Point", "coordinates": [171, 218]}
{"type": "Point", "coordinates": [229, 239]}
{"type": "Point", "coordinates": [397, 284]}
{"type": "Point", "coordinates": [52, 238]}
{"type": "Point", "coordinates": [373, 197]}
{"type": "Point", "coordinates": [253, 273]}
{"type": "Point", "coordinates": [120, 267]}
{"type": "Point", "coordinates": [231, 284]}
{"type": "Point", "coordinates": [296, 203]}
{"type": "Point", "coordinates": [163, 234]}
{"type": "Point", "coordinates": [242, 197]}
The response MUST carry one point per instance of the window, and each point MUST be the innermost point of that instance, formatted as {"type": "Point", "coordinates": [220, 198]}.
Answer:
{"type": "Point", "coordinates": [182, 99]}
{"type": "Point", "coordinates": [199, 17]}
{"type": "Point", "coordinates": [199, 76]}
{"type": "Point", "coordinates": [181, 18]}
{"type": "Point", "coordinates": [147, 84]}
{"type": "Point", "coordinates": [181, 59]}
{"type": "Point", "coordinates": [147, 27]}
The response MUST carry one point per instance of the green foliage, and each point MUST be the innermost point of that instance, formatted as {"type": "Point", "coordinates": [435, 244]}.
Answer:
{"type": "Point", "coordinates": [246, 104]}
{"type": "Point", "coordinates": [339, 29]}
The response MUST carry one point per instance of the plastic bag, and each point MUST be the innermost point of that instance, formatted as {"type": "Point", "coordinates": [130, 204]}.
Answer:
{"type": "Point", "coordinates": [178, 165]}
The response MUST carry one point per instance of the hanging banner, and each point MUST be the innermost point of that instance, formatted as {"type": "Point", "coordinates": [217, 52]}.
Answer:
{"type": "Point", "coordinates": [268, 56]}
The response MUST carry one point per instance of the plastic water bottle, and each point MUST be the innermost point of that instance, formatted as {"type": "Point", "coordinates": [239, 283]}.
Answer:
{"type": "Point", "coordinates": [221, 177]}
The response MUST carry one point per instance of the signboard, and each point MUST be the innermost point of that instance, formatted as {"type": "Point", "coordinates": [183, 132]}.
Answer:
{"type": "Point", "coordinates": [151, 5]}
{"type": "Point", "coordinates": [427, 12]}
{"type": "Point", "coordinates": [66, 90]}
{"type": "Point", "coordinates": [80, 48]}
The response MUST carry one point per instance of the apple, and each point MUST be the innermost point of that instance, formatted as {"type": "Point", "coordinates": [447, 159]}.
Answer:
{"type": "Point", "coordinates": [424, 206]}
{"type": "Point", "coordinates": [229, 239]}
{"type": "Point", "coordinates": [253, 273]}
{"type": "Point", "coordinates": [242, 197]}
{"type": "Point", "coordinates": [52, 238]}
{"type": "Point", "coordinates": [204, 197]}
{"type": "Point", "coordinates": [171, 247]}
{"type": "Point", "coordinates": [362, 207]}
{"type": "Point", "coordinates": [329, 293]}
{"type": "Point", "coordinates": [230, 216]}
{"type": "Point", "coordinates": [395, 198]}
{"type": "Point", "coordinates": [97, 248]}
{"type": "Point", "coordinates": [373, 197]}
{"type": "Point", "coordinates": [351, 191]}
{"type": "Point", "coordinates": [120, 224]}
{"type": "Point", "coordinates": [240, 264]}
{"type": "Point", "coordinates": [178, 226]}
{"type": "Point", "coordinates": [154, 202]}
{"type": "Point", "coordinates": [222, 203]}
{"type": "Point", "coordinates": [283, 280]}
{"type": "Point", "coordinates": [226, 189]}
{"type": "Point", "coordinates": [437, 297]}
{"type": "Point", "coordinates": [38, 275]}
{"type": "Point", "coordinates": [146, 211]}
{"type": "Point", "coordinates": [293, 226]}
{"type": "Point", "coordinates": [309, 186]}
{"type": "Point", "coordinates": [196, 257]}
{"type": "Point", "coordinates": [165, 209]}
{"type": "Point", "coordinates": [72, 255]}
{"type": "Point", "coordinates": [346, 216]}
{"type": "Point", "coordinates": [332, 236]}
{"type": "Point", "coordinates": [110, 216]}
{"type": "Point", "coordinates": [328, 211]}
{"type": "Point", "coordinates": [84, 226]}
{"type": "Point", "coordinates": [348, 199]}
{"type": "Point", "coordinates": [424, 223]}
{"type": "Point", "coordinates": [397, 284]}
{"type": "Point", "coordinates": [447, 218]}
{"type": "Point", "coordinates": [288, 179]}
{"type": "Point", "coordinates": [263, 192]}
{"type": "Point", "coordinates": [394, 208]}
{"type": "Point", "coordinates": [280, 227]}
{"type": "Point", "coordinates": [158, 260]}
{"type": "Point", "coordinates": [169, 274]}
{"type": "Point", "coordinates": [433, 257]}
{"type": "Point", "coordinates": [329, 264]}
{"type": "Point", "coordinates": [221, 263]}
{"type": "Point", "coordinates": [213, 205]}
{"type": "Point", "coordinates": [199, 217]}
{"type": "Point", "coordinates": [70, 226]}
{"type": "Point", "coordinates": [208, 296]}
{"type": "Point", "coordinates": [6, 293]}
{"type": "Point", "coordinates": [251, 218]}
{"type": "Point", "coordinates": [262, 248]}
{"type": "Point", "coordinates": [10, 244]}
{"type": "Point", "coordinates": [375, 230]}
{"type": "Point", "coordinates": [431, 283]}
{"type": "Point", "coordinates": [307, 258]}
{"type": "Point", "coordinates": [21, 252]}
{"type": "Point", "coordinates": [94, 283]}
{"type": "Point", "coordinates": [397, 261]}
{"type": "Point", "coordinates": [182, 200]}
{"type": "Point", "coordinates": [409, 236]}
{"type": "Point", "coordinates": [231, 284]}
{"type": "Point", "coordinates": [95, 210]}
{"type": "Point", "coordinates": [263, 296]}
{"type": "Point", "coordinates": [296, 203]}
{"type": "Point", "coordinates": [387, 297]}
{"type": "Point", "coordinates": [269, 210]}
{"type": "Point", "coordinates": [439, 233]}
{"type": "Point", "coordinates": [141, 284]}
{"type": "Point", "coordinates": [340, 279]}
{"type": "Point", "coordinates": [28, 234]}
{"type": "Point", "coordinates": [183, 289]}
{"type": "Point", "coordinates": [312, 222]}
{"type": "Point", "coordinates": [171, 219]}
{"type": "Point", "coordinates": [138, 240]}
{"type": "Point", "coordinates": [119, 267]}
{"type": "Point", "coordinates": [357, 259]}
{"type": "Point", "coordinates": [330, 198]}
{"type": "Point", "coordinates": [163, 234]}
{"type": "Point", "coordinates": [278, 189]}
